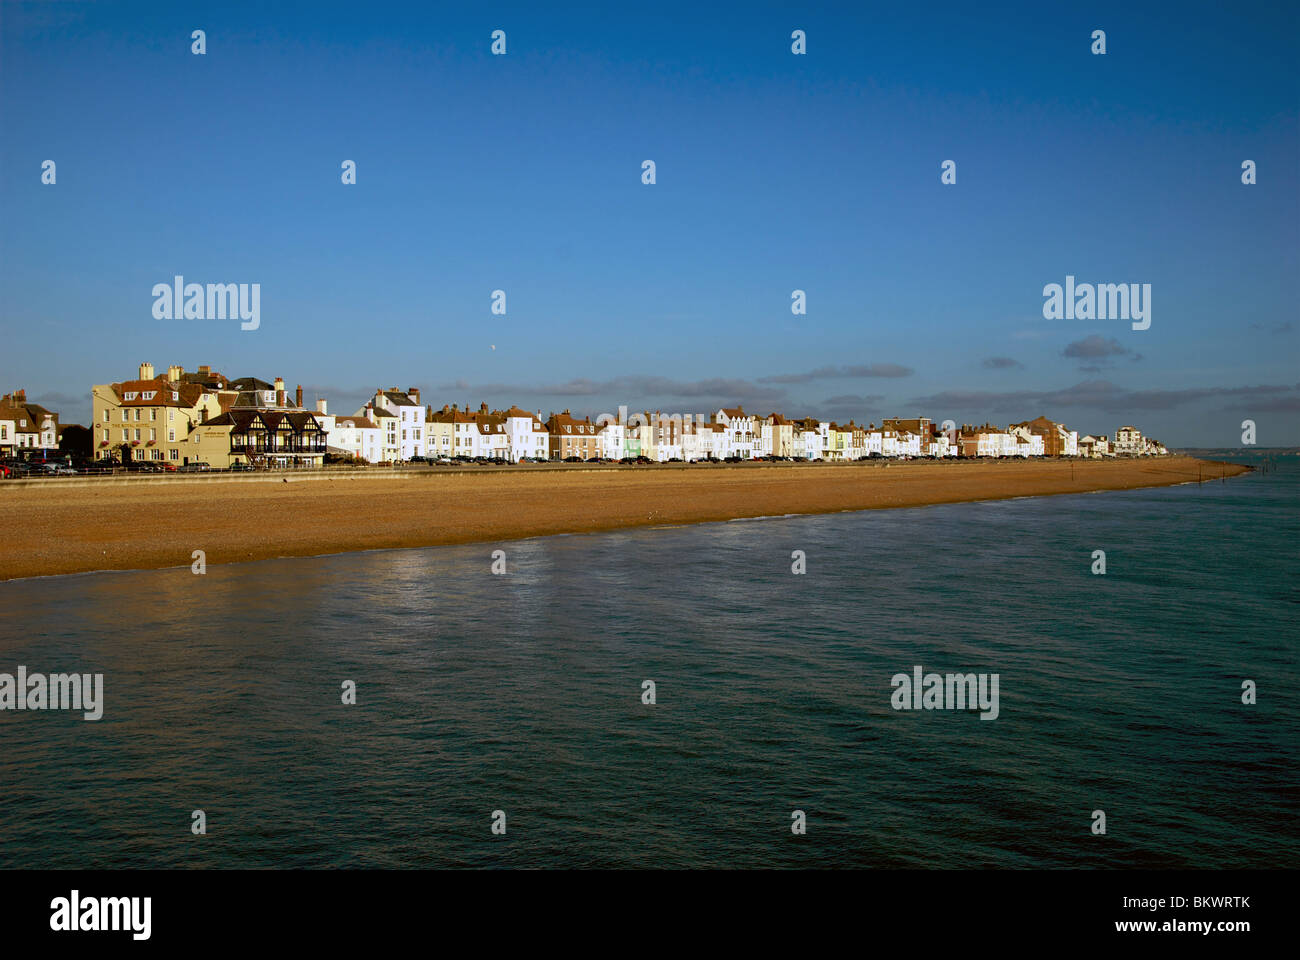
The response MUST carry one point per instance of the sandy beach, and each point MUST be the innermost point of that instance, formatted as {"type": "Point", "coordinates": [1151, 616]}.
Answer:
{"type": "Point", "coordinates": [125, 525]}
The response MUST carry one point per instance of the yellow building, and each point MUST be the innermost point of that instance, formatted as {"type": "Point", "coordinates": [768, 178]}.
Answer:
{"type": "Point", "coordinates": [153, 417]}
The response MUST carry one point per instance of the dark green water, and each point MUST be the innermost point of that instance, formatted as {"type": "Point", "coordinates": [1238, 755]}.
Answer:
{"type": "Point", "coordinates": [522, 693]}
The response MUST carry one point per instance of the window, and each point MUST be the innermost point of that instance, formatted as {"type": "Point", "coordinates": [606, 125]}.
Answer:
{"type": "Point", "coordinates": [106, 415]}
{"type": "Point", "coordinates": [126, 414]}
{"type": "Point", "coordinates": [126, 434]}
{"type": "Point", "coordinates": [153, 434]}
{"type": "Point", "coordinates": [173, 454]}
{"type": "Point", "coordinates": [153, 413]}
{"type": "Point", "coordinates": [137, 415]}
{"type": "Point", "coordinates": [137, 434]}
{"type": "Point", "coordinates": [171, 435]}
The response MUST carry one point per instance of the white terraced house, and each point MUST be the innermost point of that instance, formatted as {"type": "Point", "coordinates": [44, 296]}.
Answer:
{"type": "Point", "coordinates": [693, 445]}
{"type": "Point", "coordinates": [526, 435]}
{"type": "Point", "coordinates": [808, 439]}
{"type": "Point", "coordinates": [358, 436]}
{"type": "Point", "coordinates": [406, 439]}
{"type": "Point", "coordinates": [740, 431]}
{"type": "Point", "coordinates": [610, 437]}
{"type": "Point", "coordinates": [668, 432]}
{"type": "Point", "coordinates": [390, 447]}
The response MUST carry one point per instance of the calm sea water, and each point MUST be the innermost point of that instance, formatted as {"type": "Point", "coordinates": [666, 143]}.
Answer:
{"type": "Point", "coordinates": [522, 693]}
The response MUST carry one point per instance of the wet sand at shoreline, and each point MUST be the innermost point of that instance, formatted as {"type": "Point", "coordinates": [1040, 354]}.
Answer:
{"type": "Point", "coordinates": [110, 525]}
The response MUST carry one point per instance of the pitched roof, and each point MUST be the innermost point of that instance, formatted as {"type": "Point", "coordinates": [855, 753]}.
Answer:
{"type": "Point", "coordinates": [559, 421]}
{"type": "Point", "coordinates": [359, 423]}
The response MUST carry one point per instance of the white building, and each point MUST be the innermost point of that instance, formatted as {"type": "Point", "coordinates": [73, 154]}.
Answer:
{"type": "Point", "coordinates": [809, 439]}
{"type": "Point", "coordinates": [1098, 446]}
{"type": "Point", "coordinates": [1128, 440]}
{"type": "Point", "coordinates": [612, 437]}
{"type": "Point", "coordinates": [1028, 443]}
{"type": "Point", "coordinates": [526, 435]}
{"type": "Point", "coordinates": [740, 431]}
{"type": "Point", "coordinates": [670, 433]}
{"type": "Point", "coordinates": [406, 437]}
{"type": "Point", "coordinates": [357, 435]}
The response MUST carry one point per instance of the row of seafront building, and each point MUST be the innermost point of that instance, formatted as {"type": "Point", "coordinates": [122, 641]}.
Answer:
{"type": "Point", "coordinates": [201, 416]}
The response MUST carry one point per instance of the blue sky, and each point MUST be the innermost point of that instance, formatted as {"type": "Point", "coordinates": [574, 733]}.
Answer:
{"type": "Point", "coordinates": [775, 172]}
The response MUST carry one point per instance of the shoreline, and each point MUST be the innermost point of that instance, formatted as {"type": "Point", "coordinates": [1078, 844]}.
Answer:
{"type": "Point", "coordinates": [91, 527]}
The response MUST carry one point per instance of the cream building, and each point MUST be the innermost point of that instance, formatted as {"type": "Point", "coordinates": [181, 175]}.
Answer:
{"type": "Point", "coordinates": [152, 417]}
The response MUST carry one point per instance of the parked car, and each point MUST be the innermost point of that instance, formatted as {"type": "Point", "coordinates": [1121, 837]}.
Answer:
{"type": "Point", "coordinates": [240, 467]}
{"type": "Point", "coordinates": [197, 466]}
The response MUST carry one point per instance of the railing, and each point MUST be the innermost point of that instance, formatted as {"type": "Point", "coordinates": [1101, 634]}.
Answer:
{"type": "Point", "coordinates": [272, 449]}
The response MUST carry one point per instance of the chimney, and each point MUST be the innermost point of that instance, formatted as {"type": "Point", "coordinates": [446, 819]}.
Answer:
{"type": "Point", "coordinates": [321, 407]}
{"type": "Point", "coordinates": [482, 408]}
{"type": "Point", "coordinates": [279, 383]}
{"type": "Point", "coordinates": [175, 372]}
{"type": "Point", "coordinates": [203, 415]}
{"type": "Point", "coordinates": [204, 369]}
{"type": "Point", "coordinates": [298, 396]}
{"type": "Point", "coordinates": [146, 371]}
{"type": "Point", "coordinates": [414, 393]}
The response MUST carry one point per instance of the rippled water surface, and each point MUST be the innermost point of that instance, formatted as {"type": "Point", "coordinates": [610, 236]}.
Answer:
{"type": "Point", "coordinates": [522, 693]}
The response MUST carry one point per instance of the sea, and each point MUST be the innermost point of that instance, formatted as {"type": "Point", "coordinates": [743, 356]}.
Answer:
{"type": "Point", "coordinates": [504, 719]}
